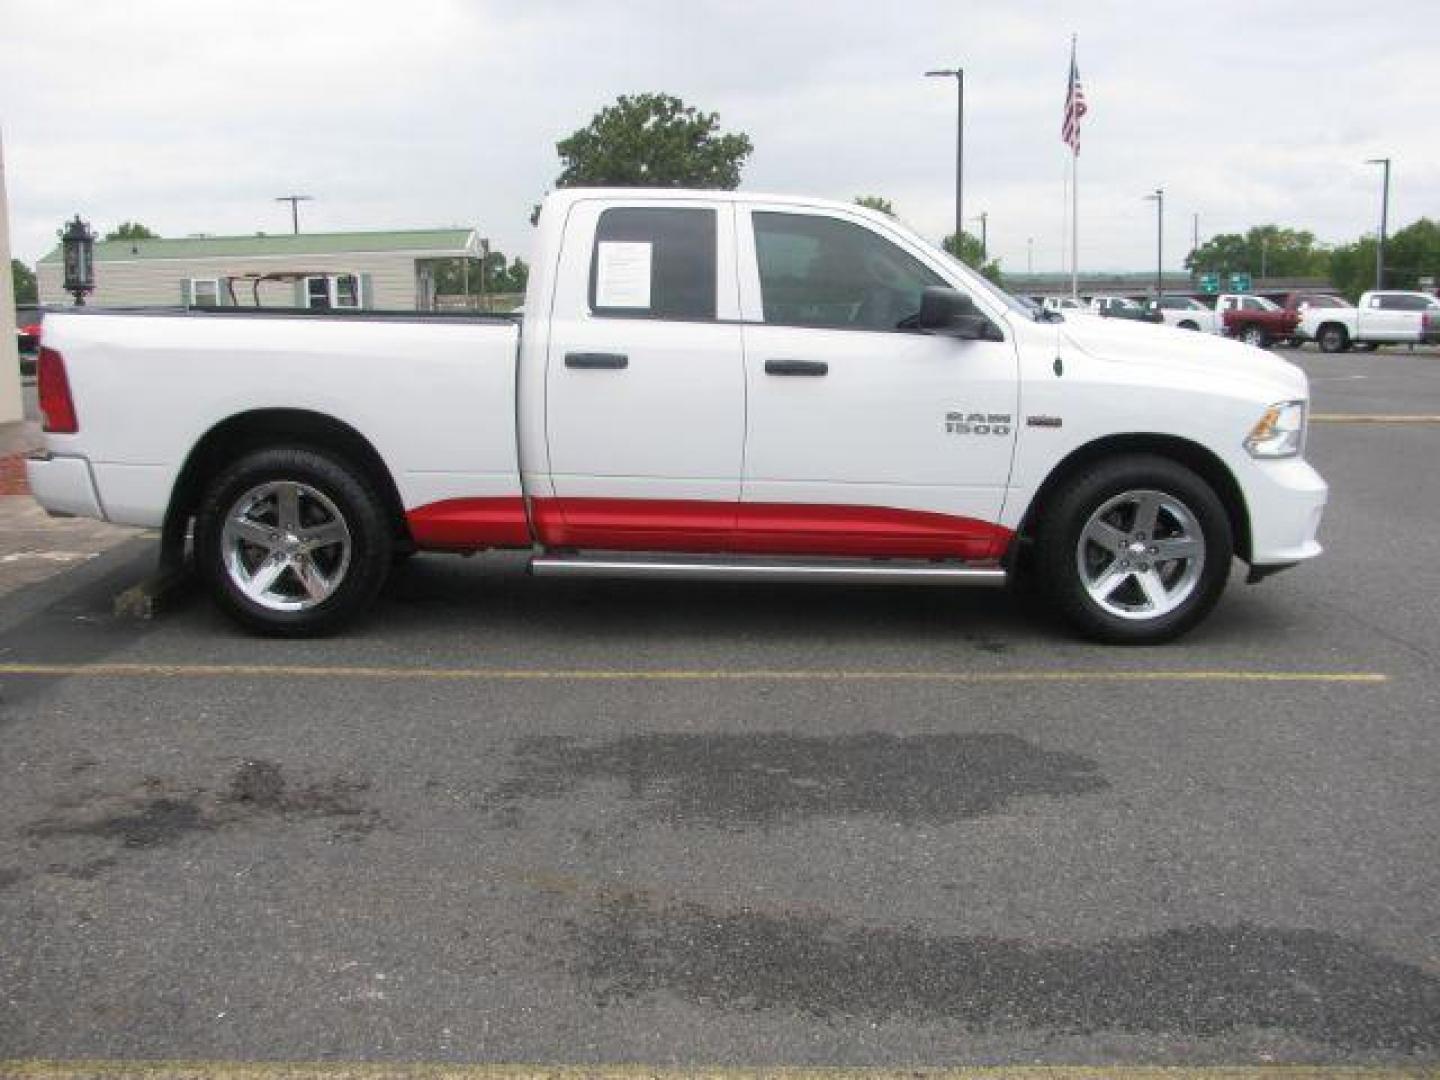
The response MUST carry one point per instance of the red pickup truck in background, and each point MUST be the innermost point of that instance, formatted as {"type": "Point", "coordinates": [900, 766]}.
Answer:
{"type": "Point", "coordinates": [1255, 320]}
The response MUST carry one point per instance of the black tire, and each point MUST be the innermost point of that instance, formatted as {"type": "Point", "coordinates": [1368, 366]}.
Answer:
{"type": "Point", "coordinates": [1332, 338]}
{"type": "Point", "coordinates": [1188, 325]}
{"type": "Point", "coordinates": [1082, 495]}
{"type": "Point", "coordinates": [1253, 335]}
{"type": "Point", "coordinates": [354, 502]}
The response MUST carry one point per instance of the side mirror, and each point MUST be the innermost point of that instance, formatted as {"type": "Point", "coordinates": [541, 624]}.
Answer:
{"type": "Point", "coordinates": [952, 313]}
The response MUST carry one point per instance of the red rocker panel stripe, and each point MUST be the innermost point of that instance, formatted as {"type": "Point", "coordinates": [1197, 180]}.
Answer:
{"type": "Point", "coordinates": [466, 524]}
{"type": "Point", "coordinates": [706, 526]}
{"type": "Point", "coordinates": [820, 529]}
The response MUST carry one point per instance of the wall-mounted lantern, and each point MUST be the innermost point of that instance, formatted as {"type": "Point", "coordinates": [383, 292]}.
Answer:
{"type": "Point", "coordinates": [77, 244]}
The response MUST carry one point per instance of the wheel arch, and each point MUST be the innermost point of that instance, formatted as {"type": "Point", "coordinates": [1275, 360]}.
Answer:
{"type": "Point", "coordinates": [1199, 459]}
{"type": "Point", "coordinates": [252, 430]}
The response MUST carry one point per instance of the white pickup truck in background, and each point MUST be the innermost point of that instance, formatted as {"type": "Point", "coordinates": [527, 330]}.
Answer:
{"type": "Point", "coordinates": [1388, 317]}
{"type": "Point", "coordinates": [1188, 313]}
{"type": "Point", "coordinates": [709, 384]}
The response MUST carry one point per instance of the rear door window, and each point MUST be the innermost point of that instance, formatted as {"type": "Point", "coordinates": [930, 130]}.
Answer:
{"type": "Point", "coordinates": [654, 263]}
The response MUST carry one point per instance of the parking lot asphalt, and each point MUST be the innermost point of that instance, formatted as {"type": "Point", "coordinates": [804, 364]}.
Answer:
{"type": "Point", "coordinates": [520, 820]}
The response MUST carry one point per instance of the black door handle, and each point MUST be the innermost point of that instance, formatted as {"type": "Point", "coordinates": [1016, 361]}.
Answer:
{"type": "Point", "coordinates": [597, 360]}
{"type": "Point", "coordinates": [797, 367]}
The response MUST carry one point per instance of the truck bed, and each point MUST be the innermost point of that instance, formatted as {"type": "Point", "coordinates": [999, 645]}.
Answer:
{"type": "Point", "coordinates": [432, 393]}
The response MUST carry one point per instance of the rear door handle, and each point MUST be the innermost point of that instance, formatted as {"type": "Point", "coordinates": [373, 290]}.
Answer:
{"type": "Point", "coordinates": [813, 368]}
{"type": "Point", "coordinates": [597, 360]}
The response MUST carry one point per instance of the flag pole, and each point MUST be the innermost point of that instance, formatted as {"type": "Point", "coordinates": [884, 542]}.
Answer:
{"type": "Point", "coordinates": [1065, 223]}
{"type": "Point", "coordinates": [1075, 225]}
{"type": "Point", "coordinates": [1075, 198]}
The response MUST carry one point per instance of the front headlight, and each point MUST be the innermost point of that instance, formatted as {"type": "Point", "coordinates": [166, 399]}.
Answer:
{"type": "Point", "coordinates": [1280, 432]}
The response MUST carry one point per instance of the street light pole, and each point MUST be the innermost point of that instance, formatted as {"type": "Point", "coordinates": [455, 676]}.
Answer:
{"type": "Point", "coordinates": [294, 201]}
{"type": "Point", "coordinates": [1384, 222]}
{"type": "Point", "coordinates": [958, 74]}
{"type": "Point", "coordinates": [984, 220]}
{"type": "Point", "coordinates": [1159, 199]}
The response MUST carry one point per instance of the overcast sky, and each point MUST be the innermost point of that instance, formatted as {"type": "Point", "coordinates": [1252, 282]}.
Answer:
{"type": "Point", "coordinates": [192, 117]}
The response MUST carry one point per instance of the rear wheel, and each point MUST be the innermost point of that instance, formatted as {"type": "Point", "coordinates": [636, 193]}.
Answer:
{"type": "Point", "coordinates": [1333, 338]}
{"type": "Point", "coordinates": [1253, 335]}
{"type": "Point", "coordinates": [292, 542]}
{"type": "Point", "coordinates": [1188, 325]}
{"type": "Point", "coordinates": [1135, 551]}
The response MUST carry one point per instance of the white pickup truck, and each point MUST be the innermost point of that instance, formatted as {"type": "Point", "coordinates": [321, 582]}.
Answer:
{"type": "Point", "coordinates": [1187, 313]}
{"type": "Point", "coordinates": [1389, 317]}
{"type": "Point", "coordinates": [704, 384]}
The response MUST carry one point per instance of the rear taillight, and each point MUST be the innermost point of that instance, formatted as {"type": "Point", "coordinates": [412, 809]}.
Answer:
{"type": "Point", "coordinates": [56, 404]}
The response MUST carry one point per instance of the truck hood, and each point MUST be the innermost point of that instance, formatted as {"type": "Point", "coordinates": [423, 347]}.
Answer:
{"type": "Point", "coordinates": [1163, 347]}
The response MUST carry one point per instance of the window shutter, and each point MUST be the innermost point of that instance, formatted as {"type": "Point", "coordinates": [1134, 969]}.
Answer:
{"type": "Point", "coordinates": [367, 292]}
{"type": "Point", "coordinates": [187, 292]}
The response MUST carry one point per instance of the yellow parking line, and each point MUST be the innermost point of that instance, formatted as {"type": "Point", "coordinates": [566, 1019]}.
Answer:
{"type": "Point", "coordinates": [235, 1070]}
{"type": "Point", "coordinates": [1374, 418]}
{"type": "Point", "coordinates": [305, 671]}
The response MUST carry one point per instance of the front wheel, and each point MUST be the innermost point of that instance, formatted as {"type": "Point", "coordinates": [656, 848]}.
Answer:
{"type": "Point", "coordinates": [1253, 335]}
{"type": "Point", "coordinates": [292, 542]}
{"type": "Point", "coordinates": [1135, 550]}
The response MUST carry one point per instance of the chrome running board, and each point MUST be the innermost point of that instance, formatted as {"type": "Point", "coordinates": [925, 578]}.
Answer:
{"type": "Point", "coordinates": [702, 568]}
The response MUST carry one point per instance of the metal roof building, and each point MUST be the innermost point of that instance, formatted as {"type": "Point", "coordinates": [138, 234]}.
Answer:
{"type": "Point", "coordinates": [386, 270]}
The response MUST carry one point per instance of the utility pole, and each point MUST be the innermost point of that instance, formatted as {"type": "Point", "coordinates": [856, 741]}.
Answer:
{"type": "Point", "coordinates": [1384, 222]}
{"type": "Point", "coordinates": [12, 401]}
{"type": "Point", "coordinates": [984, 220]}
{"type": "Point", "coordinates": [1159, 200]}
{"type": "Point", "coordinates": [295, 201]}
{"type": "Point", "coordinates": [958, 74]}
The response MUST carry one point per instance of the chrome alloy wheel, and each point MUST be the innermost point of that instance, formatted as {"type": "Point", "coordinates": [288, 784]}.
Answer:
{"type": "Point", "coordinates": [1141, 554]}
{"type": "Point", "coordinates": [285, 545]}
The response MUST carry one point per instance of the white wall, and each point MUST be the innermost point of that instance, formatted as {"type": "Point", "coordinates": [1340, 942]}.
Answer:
{"type": "Point", "coordinates": [157, 282]}
{"type": "Point", "coordinates": [11, 404]}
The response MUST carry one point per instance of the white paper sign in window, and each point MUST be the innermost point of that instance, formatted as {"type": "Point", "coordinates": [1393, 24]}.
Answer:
{"type": "Point", "coordinates": [622, 275]}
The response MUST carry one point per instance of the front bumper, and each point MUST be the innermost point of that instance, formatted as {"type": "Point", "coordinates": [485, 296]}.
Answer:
{"type": "Point", "coordinates": [63, 485]}
{"type": "Point", "coordinates": [1286, 499]}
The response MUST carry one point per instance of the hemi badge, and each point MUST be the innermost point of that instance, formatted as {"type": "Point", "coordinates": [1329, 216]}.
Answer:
{"type": "Point", "coordinates": [1043, 421]}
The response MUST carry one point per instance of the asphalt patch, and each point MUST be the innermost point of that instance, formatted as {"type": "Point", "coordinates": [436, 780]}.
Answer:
{"type": "Point", "coordinates": [737, 780]}
{"type": "Point", "coordinates": [1196, 981]}
{"type": "Point", "coordinates": [159, 813]}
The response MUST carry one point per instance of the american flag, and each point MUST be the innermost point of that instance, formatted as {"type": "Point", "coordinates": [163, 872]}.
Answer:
{"type": "Point", "coordinates": [1074, 108]}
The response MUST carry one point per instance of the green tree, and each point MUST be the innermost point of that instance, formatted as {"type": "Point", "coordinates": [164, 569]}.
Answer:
{"type": "Point", "coordinates": [1352, 267]}
{"type": "Point", "coordinates": [494, 274]}
{"type": "Point", "coordinates": [23, 278]}
{"type": "Point", "coordinates": [875, 202]}
{"type": "Point", "coordinates": [652, 140]}
{"type": "Point", "coordinates": [131, 230]}
{"type": "Point", "coordinates": [1413, 253]}
{"type": "Point", "coordinates": [1267, 250]}
{"type": "Point", "coordinates": [971, 253]}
